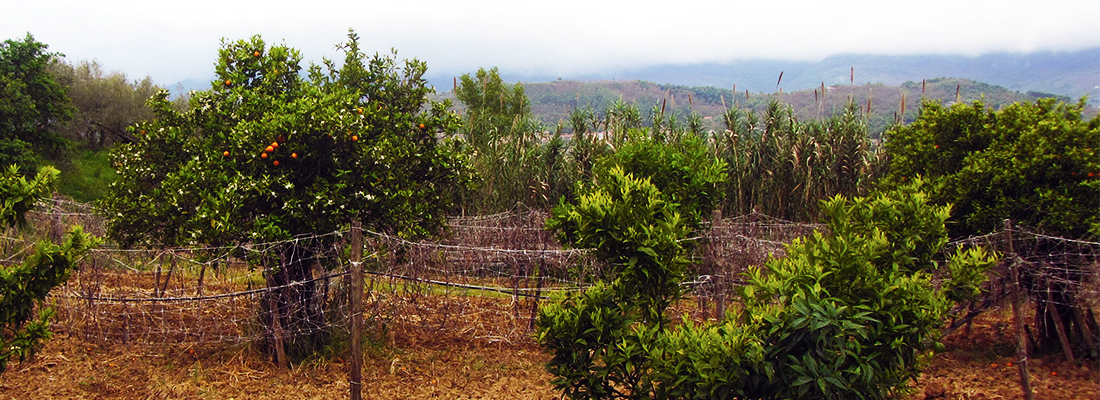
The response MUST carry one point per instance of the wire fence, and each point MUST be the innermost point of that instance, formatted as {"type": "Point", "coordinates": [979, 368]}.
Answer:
{"type": "Point", "coordinates": [482, 281]}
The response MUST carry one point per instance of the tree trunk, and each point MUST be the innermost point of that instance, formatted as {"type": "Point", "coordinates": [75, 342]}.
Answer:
{"type": "Point", "coordinates": [299, 307]}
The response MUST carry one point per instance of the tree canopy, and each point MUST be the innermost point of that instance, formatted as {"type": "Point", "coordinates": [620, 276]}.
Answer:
{"type": "Point", "coordinates": [32, 104]}
{"type": "Point", "coordinates": [266, 153]}
{"type": "Point", "coordinates": [1035, 163]}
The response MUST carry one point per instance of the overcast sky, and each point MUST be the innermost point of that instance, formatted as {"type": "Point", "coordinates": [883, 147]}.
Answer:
{"type": "Point", "coordinates": [179, 40]}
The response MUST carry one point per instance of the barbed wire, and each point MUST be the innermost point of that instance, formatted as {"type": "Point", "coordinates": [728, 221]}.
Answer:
{"type": "Point", "coordinates": [482, 281]}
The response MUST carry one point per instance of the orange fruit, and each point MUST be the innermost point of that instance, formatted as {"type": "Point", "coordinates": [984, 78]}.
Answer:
{"type": "Point", "coordinates": [275, 145]}
{"type": "Point", "coordinates": [421, 126]}
{"type": "Point", "coordinates": [354, 138]}
{"type": "Point", "coordinates": [276, 163]}
{"type": "Point", "coordinates": [225, 153]}
{"type": "Point", "coordinates": [293, 155]}
{"type": "Point", "coordinates": [256, 53]}
{"type": "Point", "coordinates": [360, 110]}
{"type": "Point", "coordinates": [228, 82]}
{"type": "Point", "coordinates": [263, 155]}
{"type": "Point", "coordinates": [269, 149]}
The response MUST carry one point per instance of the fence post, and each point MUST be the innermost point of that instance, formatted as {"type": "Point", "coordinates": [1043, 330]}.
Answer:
{"type": "Point", "coordinates": [356, 378]}
{"type": "Point", "coordinates": [276, 319]}
{"type": "Point", "coordinates": [1017, 314]}
{"type": "Point", "coordinates": [55, 227]}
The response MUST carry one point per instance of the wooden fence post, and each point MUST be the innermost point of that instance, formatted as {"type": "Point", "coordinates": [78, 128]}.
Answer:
{"type": "Point", "coordinates": [1017, 314]}
{"type": "Point", "coordinates": [276, 320]}
{"type": "Point", "coordinates": [356, 376]}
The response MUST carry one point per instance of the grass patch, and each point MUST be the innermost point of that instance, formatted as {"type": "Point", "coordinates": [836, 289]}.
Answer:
{"type": "Point", "coordinates": [87, 175]}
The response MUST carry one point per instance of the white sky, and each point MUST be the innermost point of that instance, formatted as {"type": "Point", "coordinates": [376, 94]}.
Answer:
{"type": "Point", "coordinates": [179, 40]}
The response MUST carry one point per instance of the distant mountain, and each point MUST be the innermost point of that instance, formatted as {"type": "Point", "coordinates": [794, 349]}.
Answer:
{"type": "Point", "coordinates": [1071, 74]}
{"type": "Point", "coordinates": [882, 104]}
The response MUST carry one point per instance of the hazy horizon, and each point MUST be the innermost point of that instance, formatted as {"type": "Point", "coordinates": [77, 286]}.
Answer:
{"type": "Point", "coordinates": [171, 42]}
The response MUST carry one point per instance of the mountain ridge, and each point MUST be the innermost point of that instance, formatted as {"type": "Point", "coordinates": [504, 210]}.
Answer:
{"type": "Point", "coordinates": [1071, 73]}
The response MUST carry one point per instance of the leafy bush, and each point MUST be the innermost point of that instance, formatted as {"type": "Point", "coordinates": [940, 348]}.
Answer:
{"type": "Point", "coordinates": [24, 285]}
{"type": "Point", "coordinates": [684, 170]}
{"type": "Point", "coordinates": [850, 312]}
{"type": "Point", "coordinates": [599, 337]}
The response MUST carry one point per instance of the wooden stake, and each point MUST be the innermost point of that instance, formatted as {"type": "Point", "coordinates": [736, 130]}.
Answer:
{"type": "Point", "coordinates": [1018, 316]}
{"type": "Point", "coordinates": [356, 377]}
{"type": "Point", "coordinates": [1059, 326]}
{"type": "Point", "coordinates": [276, 321]}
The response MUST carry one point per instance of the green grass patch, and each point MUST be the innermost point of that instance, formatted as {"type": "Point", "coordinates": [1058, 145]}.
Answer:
{"type": "Point", "coordinates": [86, 175]}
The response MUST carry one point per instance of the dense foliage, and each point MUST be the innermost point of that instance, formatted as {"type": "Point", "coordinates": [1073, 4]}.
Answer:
{"type": "Point", "coordinates": [598, 337]}
{"type": "Point", "coordinates": [514, 161]}
{"type": "Point", "coordinates": [104, 104]}
{"type": "Point", "coordinates": [783, 167]}
{"type": "Point", "coordinates": [847, 314]}
{"type": "Point", "coordinates": [1037, 164]}
{"type": "Point", "coordinates": [684, 170]}
{"type": "Point", "coordinates": [32, 104]}
{"type": "Point", "coordinates": [266, 154]}
{"type": "Point", "coordinates": [25, 283]}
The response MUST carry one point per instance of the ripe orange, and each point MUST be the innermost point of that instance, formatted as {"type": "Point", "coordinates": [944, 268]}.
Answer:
{"type": "Point", "coordinates": [275, 145]}
{"type": "Point", "coordinates": [354, 138]}
{"type": "Point", "coordinates": [263, 155]}
{"type": "Point", "coordinates": [360, 111]}
{"type": "Point", "coordinates": [228, 82]}
{"type": "Point", "coordinates": [225, 153]}
{"type": "Point", "coordinates": [256, 53]}
{"type": "Point", "coordinates": [293, 155]}
{"type": "Point", "coordinates": [421, 126]}
{"type": "Point", "coordinates": [276, 163]}
{"type": "Point", "coordinates": [269, 149]}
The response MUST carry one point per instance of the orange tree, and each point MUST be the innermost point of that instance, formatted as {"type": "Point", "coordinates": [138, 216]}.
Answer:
{"type": "Point", "coordinates": [1037, 164]}
{"type": "Point", "coordinates": [271, 152]}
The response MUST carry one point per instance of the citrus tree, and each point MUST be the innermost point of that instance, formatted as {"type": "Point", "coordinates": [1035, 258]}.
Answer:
{"type": "Point", "coordinates": [25, 283]}
{"type": "Point", "coordinates": [1037, 164]}
{"type": "Point", "coordinates": [849, 313]}
{"type": "Point", "coordinates": [272, 151]}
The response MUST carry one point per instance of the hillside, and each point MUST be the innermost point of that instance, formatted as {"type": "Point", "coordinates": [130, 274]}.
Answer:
{"type": "Point", "coordinates": [1072, 74]}
{"type": "Point", "coordinates": [552, 101]}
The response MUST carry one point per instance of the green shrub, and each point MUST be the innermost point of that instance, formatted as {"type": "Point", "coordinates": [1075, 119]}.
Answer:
{"type": "Point", "coordinates": [849, 313]}
{"type": "Point", "coordinates": [685, 171]}
{"type": "Point", "coordinates": [24, 285]}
